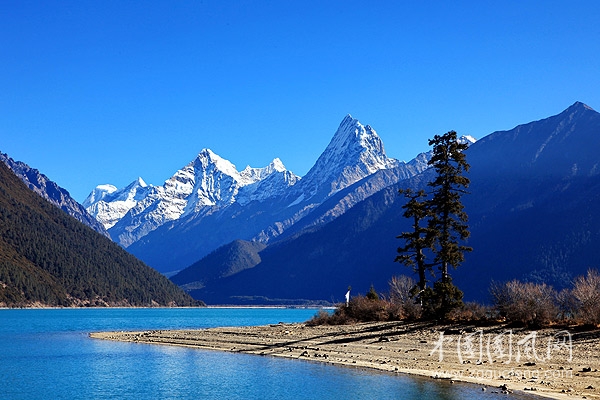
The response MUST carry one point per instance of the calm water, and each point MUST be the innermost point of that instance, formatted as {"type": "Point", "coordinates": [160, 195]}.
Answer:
{"type": "Point", "coordinates": [47, 354]}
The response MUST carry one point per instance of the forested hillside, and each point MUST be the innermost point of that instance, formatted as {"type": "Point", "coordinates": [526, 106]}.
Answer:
{"type": "Point", "coordinates": [49, 258]}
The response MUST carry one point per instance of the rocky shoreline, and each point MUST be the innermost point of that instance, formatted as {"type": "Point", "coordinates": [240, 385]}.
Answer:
{"type": "Point", "coordinates": [553, 363]}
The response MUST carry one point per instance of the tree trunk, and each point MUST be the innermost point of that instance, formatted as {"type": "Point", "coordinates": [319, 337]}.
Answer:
{"type": "Point", "coordinates": [444, 272]}
{"type": "Point", "coordinates": [421, 267]}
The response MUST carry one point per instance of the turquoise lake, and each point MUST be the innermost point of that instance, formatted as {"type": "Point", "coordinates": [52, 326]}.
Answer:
{"type": "Point", "coordinates": [47, 354]}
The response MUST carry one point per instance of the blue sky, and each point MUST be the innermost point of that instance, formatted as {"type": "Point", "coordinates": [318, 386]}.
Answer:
{"type": "Point", "coordinates": [95, 92]}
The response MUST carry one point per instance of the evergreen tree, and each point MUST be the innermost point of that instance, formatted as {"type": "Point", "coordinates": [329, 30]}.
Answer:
{"type": "Point", "coordinates": [448, 219]}
{"type": "Point", "coordinates": [439, 225]}
{"type": "Point", "coordinates": [412, 254]}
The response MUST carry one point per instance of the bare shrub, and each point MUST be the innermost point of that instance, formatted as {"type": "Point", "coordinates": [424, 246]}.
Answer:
{"type": "Point", "coordinates": [567, 306]}
{"type": "Point", "coordinates": [359, 309]}
{"type": "Point", "coordinates": [322, 317]}
{"type": "Point", "coordinates": [526, 303]}
{"type": "Point", "coordinates": [472, 312]}
{"type": "Point", "coordinates": [402, 290]}
{"type": "Point", "coordinates": [364, 309]}
{"type": "Point", "coordinates": [586, 295]}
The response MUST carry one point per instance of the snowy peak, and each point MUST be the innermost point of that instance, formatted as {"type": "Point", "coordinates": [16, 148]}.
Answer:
{"type": "Point", "coordinates": [110, 192]}
{"type": "Point", "coordinates": [99, 193]}
{"type": "Point", "coordinates": [218, 183]}
{"type": "Point", "coordinates": [209, 180]}
{"type": "Point", "coordinates": [356, 151]}
{"type": "Point", "coordinates": [134, 187]}
{"type": "Point", "coordinates": [134, 191]}
{"type": "Point", "coordinates": [251, 175]}
{"type": "Point", "coordinates": [207, 184]}
{"type": "Point", "coordinates": [274, 180]}
{"type": "Point", "coordinates": [277, 165]}
{"type": "Point", "coordinates": [466, 139]}
{"type": "Point", "coordinates": [353, 136]}
{"type": "Point", "coordinates": [108, 205]}
{"type": "Point", "coordinates": [140, 182]}
{"type": "Point", "coordinates": [207, 160]}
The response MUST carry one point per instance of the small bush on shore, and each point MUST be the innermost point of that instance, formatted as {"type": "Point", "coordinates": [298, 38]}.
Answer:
{"type": "Point", "coordinates": [322, 317]}
{"type": "Point", "coordinates": [472, 312]}
{"type": "Point", "coordinates": [402, 294]}
{"type": "Point", "coordinates": [365, 309]}
{"type": "Point", "coordinates": [359, 309]}
{"type": "Point", "coordinates": [441, 301]}
{"type": "Point", "coordinates": [530, 304]}
{"type": "Point", "coordinates": [585, 298]}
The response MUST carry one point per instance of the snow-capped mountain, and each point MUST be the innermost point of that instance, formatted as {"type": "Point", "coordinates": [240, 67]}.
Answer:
{"type": "Point", "coordinates": [352, 168]}
{"type": "Point", "coordinates": [271, 181]}
{"type": "Point", "coordinates": [466, 139]}
{"type": "Point", "coordinates": [216, 182]}
{"type": "Point", "coordinates": [209, 203]}
{"type": "Point", "coordinates": [534, 189]}
{"type": "Point", "coordinates": [108, 205]}
{"type": "Point", "coordinates": [355, 152]}
{"type": "Point", "coordinates": [207, 184]}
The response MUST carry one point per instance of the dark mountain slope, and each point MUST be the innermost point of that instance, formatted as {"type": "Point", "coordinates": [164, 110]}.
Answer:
{"type": "Point", "coordinates": [356, 249]}
{"type": "Point", "coordinates": [533, 203]}
{"type": "Point", "coordinates": [225, 261]}
{"type": "Point", "coordinates": [49, 258]}
{"type": "Point", "coordinates": [336, 205]}
{"type": "Point", "coordinates": [49, 190]}
{"type": "Point", "coordinates": [533, 216]}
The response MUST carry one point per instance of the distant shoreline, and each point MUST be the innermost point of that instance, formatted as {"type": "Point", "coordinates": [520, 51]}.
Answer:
{"type": "Point", "coordinates": [414, 348]}
{"type": "Point", "coordinates": [282, 307]}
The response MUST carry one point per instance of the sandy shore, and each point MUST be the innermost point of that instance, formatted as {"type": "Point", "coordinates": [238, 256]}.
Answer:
{"type": "Point", "coordinates": [551, 363]}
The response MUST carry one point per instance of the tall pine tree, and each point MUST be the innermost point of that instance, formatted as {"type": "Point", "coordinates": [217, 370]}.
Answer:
{"type": "Point", "coordinates": [448, 219]}
{"type": "Point", "coordinates": [417, 241]}
{"type": "Point", "coordinates": [439, 226]}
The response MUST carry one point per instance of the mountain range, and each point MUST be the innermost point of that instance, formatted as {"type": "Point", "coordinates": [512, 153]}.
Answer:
{"type": "Point", "coordinates": [267, 236]}
{"type": "Point", "coordinates": [209, 203]}
{"type": "Point", "coordinates": [532, 207]}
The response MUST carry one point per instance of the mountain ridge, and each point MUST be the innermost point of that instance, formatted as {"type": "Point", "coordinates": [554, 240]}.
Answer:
{"type": "Point", "coordinates": [53, 193]}
{"type": "Point", "coordinates": [205, 184]}
{"type": "Point", "coordinates": [531, 214]}
{"type": "Point", "coordinates": [262, 209]}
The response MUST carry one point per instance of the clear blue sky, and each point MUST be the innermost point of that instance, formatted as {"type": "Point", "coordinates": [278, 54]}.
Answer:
{"type": "Point", "coordinates": [96, 92]}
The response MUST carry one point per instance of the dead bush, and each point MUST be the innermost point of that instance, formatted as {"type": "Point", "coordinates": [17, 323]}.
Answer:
{"type": "Point", "coordinates": [526, 303]}
{"type": "Point", "coordinates": [567, 306]}
{"type": "Point", "coordinates": [364, 309]}
{"type": "Point", "coordinates": [358, 309]}
{"type": "Point", "coordinates": [322, 317]}
{"type": "Point", "coordinates": [402, 290]}
{"type": "Point", "coordinates": [586, 296]}
{"type": "Point", "coordinates": [472, 312]}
